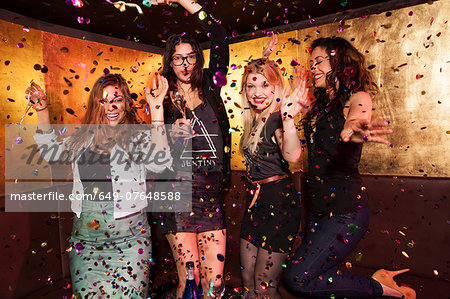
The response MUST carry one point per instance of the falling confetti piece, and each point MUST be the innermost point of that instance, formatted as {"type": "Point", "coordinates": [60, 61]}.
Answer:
{"type": "Point", "coordinates": [220, 79]}
{"type": "Point", "coordinates": [79, 247]}
{"type": "Point", "coordinates": [353, 228]}
{"type": "Point", "coordinates": [405, 254]}
{"type": "Point", "coordinates": [70, 111]}
{"type": "Point", "coordinates": [77, 3]}
{"type": "Point", "coordinates": [147, 3]}
{"type": "Point", "coordinates": [95, 225]}
{"type": "Point", "coordinates": [19, 45]}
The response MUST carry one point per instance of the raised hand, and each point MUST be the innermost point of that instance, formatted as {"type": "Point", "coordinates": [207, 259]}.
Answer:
{"type": "Point", "coordinates": [36, 97]}
{"type": "Point", "coordinates": [364, 130]}
{"type": "Point", "coordinates": [299, 75]}
{"type": "Point", "coordinates": [298, 100]}
{"type": "Point", "coordinates": [270, 47]}
{"type": "Point", "coordinates": [156, 94]}
{"type": "Point", "coordinates": [190, 5]}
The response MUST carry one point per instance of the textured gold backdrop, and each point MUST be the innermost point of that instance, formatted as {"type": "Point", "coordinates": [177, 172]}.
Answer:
{"type": "Point", "coordinates": [408, 51]}
{"type": "Point", "coordinates": [73, 66]}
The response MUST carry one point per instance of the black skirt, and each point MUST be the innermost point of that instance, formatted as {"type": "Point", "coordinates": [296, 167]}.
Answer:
{"type": "Point", "coordinates": [207, 208]}
{"type": "Point", "coordinates": [273, 222]}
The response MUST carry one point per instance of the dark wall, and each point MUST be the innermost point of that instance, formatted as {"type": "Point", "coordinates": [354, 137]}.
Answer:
{"type": "Point", "coordinates": [409, 214]}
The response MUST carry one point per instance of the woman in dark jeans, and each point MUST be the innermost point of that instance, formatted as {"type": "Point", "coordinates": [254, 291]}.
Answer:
{"type": "Point", "coordinates": [336, 126]}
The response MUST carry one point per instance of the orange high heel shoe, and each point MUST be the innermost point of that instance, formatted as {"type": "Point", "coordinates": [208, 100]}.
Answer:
{"type": "Point", "coordinates": [386, 277]}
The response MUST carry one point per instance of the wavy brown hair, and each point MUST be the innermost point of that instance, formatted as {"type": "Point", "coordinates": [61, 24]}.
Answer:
{"type": "Point", "coordinates": [94, 124]}
{"type": "Point", "coordinates": [348, 75]}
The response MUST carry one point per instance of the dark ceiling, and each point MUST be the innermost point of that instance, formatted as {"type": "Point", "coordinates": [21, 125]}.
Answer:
{"type": "Point", "coordinates": [157, 23]}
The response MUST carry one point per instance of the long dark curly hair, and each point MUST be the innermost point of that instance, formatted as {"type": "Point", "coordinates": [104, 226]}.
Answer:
{"type": "Point", "coordinates": [348, 75]}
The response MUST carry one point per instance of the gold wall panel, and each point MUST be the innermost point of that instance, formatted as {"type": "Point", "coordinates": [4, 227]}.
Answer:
{"type": "Point", "coordinates": [410, 53]}
{"type": "Point", "coordinates": [69, 61]}
{"type": "Point", "coordinates": [402, 47]}
{"type": "Point", "coordinates": [16, 70]}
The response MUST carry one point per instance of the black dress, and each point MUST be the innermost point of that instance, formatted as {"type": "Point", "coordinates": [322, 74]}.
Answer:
{"type": "Point", "coordinates": [211, 144]}
{"type": "Point", "coordinates": [273, 222]}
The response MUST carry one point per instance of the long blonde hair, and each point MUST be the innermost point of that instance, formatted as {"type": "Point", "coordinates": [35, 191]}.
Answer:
{"type": "Point", "coordinates": [252, 133]}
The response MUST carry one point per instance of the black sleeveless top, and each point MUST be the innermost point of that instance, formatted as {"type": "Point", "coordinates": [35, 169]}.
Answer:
{"type": "Point", "coordinates": [268, 160]}
{"type": "Point", "coordinates": [334, 182]}
{"type": "Point", "coordinates": [95, 175]}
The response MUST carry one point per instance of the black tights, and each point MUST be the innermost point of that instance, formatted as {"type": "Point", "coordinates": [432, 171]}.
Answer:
{"type": "Point", "coordinates": [261, 269]}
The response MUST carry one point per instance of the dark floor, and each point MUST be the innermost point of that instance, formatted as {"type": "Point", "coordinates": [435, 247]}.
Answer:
{"type": "Point", "coordinates": [426, 288]}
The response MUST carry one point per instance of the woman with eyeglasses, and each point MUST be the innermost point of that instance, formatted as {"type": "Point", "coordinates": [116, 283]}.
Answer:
{"type": "Point", "coordinates": [195, 105]}
{"type": "Point", "coordinates": [336, 127]}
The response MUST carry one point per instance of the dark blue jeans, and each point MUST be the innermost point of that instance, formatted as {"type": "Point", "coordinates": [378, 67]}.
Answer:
{"type": "Point", "coordinates": [313, 270]}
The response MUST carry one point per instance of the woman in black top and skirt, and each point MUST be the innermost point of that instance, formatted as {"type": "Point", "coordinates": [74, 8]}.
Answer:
{"type": "Point", "coordinates": [200, 235]}
{"type": "Point", "coordinates": [335, 129]}
{"type": "Point", "coordinates": [272, 215]}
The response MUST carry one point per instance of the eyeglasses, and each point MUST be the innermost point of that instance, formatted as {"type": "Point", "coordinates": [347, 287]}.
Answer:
{"type": "Point", "coordinates": [319, 61]}
{"type": "Point", "coordinates": [179, 60]}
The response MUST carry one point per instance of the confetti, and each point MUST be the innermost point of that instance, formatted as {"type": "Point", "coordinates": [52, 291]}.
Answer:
{"type": "Point", "coordinates": [77, 3]}
{"type": "Point", "coordinates": [220, 79]}
{"type": "Point", "coordinates": [147, 3]}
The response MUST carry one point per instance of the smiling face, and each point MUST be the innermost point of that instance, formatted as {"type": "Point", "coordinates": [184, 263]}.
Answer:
{"type": "Point", "coordinates": [114, 104]}
{"type": "Point", "coordinates": [259, 91]}
{"type": "Point", "coordinates": [320, 66]}
{"type": "Point", "coordinates": [185, 56]}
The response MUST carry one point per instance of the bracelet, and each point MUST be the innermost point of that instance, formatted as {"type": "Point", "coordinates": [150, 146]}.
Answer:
{"type": "Point", "coordinates": [37, 110]}
{"type": "Point", "coordinates": [158, 121]}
